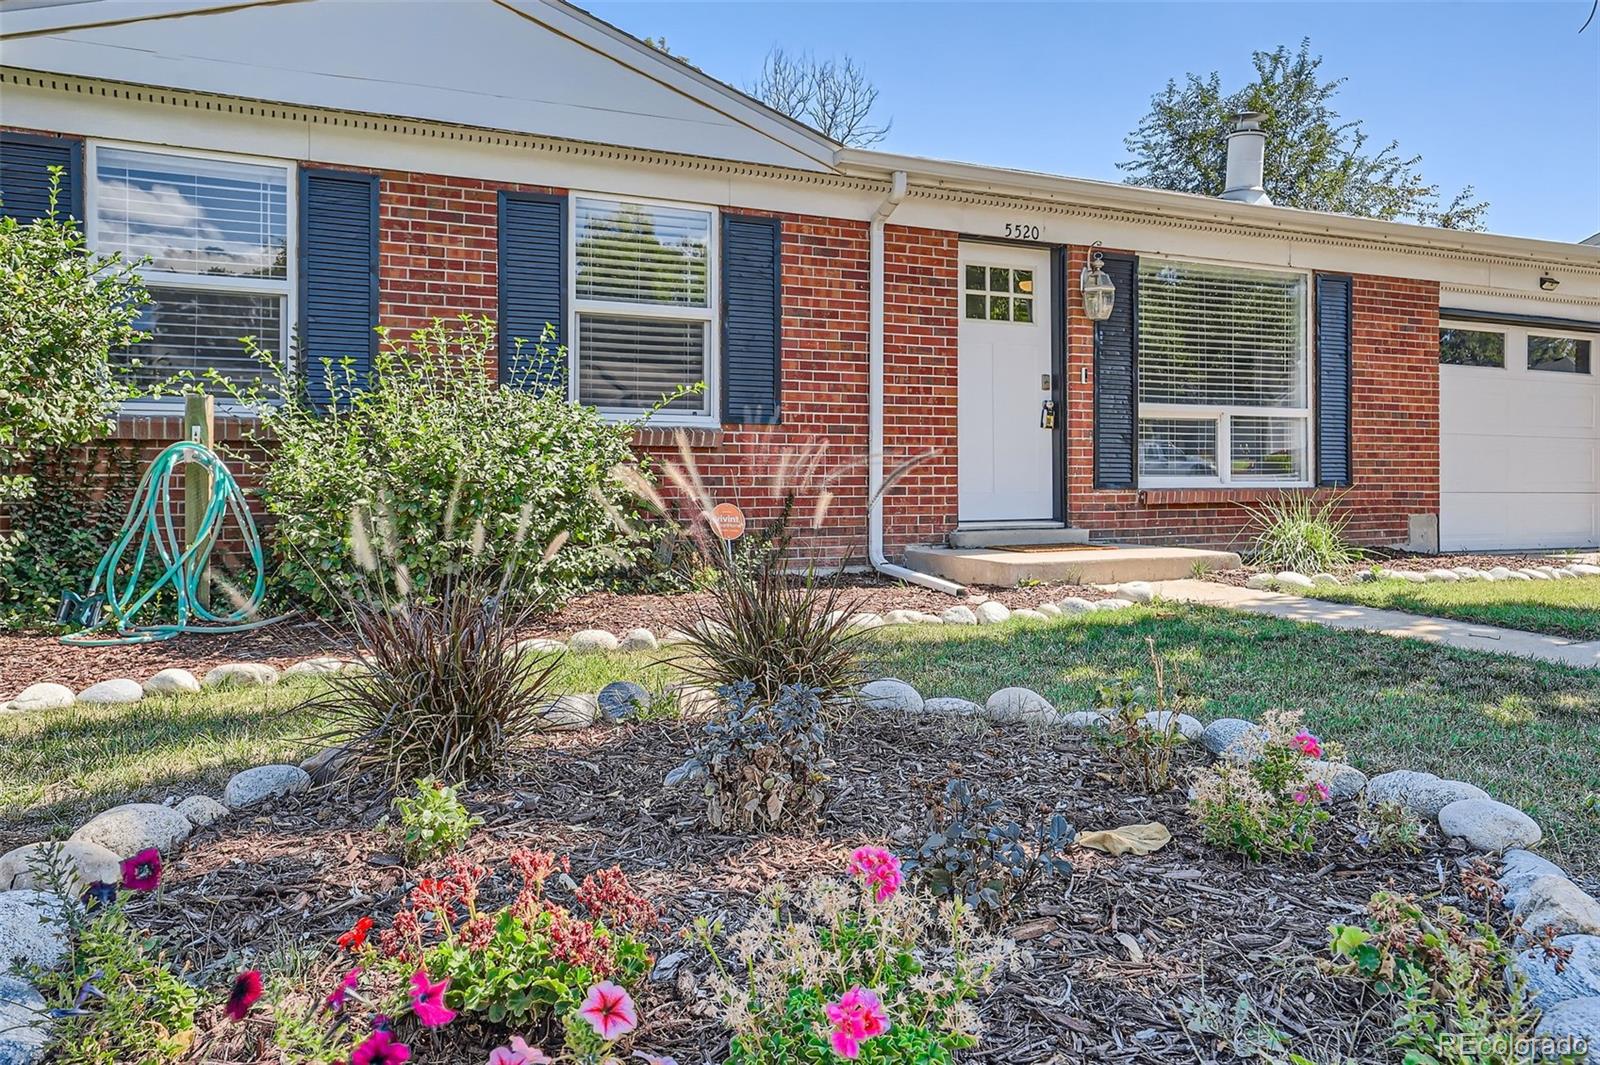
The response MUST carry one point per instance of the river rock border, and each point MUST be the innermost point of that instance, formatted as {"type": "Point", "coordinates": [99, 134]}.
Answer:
{"type": "Point", "coordinates": [1290, 582]}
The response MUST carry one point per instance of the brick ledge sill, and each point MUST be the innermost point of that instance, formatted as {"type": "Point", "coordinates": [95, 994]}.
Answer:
{"type": "Point", "coordinates": [1157, 497]}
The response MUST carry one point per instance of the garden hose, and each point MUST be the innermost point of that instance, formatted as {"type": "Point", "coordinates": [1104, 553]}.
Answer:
{"type": "Point", "coordinates": [114, 596]}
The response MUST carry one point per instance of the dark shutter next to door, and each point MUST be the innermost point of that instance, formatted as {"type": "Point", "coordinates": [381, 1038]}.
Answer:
{"type": "Point", "coordinates": [533, 289]}
{"type": "Point", "coordinates": [1333, 381]}
{"type": "Point", "coordinates": [752, 316]}
{"type": "Point", "coordinates": [25, 162]}
{"type": "Point", "coordinates": [1116, 381]}
{"type": "Point", "coordinates": [338, 280]}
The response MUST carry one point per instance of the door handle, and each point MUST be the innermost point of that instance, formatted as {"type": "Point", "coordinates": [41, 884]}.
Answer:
{"type": "Point", "coordinates": [1047, 414]}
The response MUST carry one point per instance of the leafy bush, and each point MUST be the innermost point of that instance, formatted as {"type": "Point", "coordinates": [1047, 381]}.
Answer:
{"type": "Point", "coordinates": [452, 464]}
{"type": "Point", "coordinates": [762, 765]}
{"type": "Point", "coordinates": [63, 310]}
{"type": "Point", "coordinates": [1260, 801]}
{"type": "Point", "coordinates": [1295, 532]}
{"type": "Point", "coordinates": [1447, 976]}
{"type": "Point", "coordinates": [986, 860]}
{"type": "Point", "coordinates": [433, 821]}
{"type": "Point", "coordinates": [853, 969]}
{"type": "Point", "coordinates": [1142, 744]}
{"type": "Point", "coordinates": [444, 692]}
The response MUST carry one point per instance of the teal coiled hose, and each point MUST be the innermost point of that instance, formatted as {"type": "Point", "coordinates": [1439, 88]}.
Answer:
{"type": "Point", "coordinates": [152, 530]}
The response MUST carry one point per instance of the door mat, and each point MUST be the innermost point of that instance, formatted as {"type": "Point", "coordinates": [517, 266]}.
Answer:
{"type": "Point", "coordinates": [1040, 548]}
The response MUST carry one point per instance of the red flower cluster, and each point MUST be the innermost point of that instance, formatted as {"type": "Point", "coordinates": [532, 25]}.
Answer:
{"type": "Point", "coordinates": [578, 942]}
{"type": "Point", "coordinates": [607, 895]}
{"type": "Point", "coordinates": [356, 938]}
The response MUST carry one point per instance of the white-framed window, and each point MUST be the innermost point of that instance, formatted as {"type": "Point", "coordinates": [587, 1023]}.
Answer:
{"type": "Point", "coordinates": [1536, 349]}
{"type": "Point", "coordinates": [643, 286]}
{"type": "Point", "coordinates": [216, 231]}
{"type": "Point", "coordinates": [1224, 376]}
{"type": "Point", "coordinates": [998, 294]}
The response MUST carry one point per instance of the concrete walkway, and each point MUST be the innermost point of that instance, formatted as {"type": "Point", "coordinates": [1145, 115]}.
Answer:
{"type": "Point", "coordinates": [1389, 622]}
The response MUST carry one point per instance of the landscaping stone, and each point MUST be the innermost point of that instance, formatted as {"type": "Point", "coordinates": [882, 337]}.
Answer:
{"type": "Point", "coordinates": [1083, 720]}
{"type": "Point", "coordinates": [590, 641]}
{"type": "Point", "coordinates": [692, 698]}
{"type": "Point", "coordinates": [621, 699]}
{"type": "Point", "coordinates": [1556, 902]}
{"type": "Point", "coordinates": [959, 615]}
{"type": "Point", "coordinates": [45, 696]}
{"type": "Point", "coordinates": [128, 829]}
{"type": "Point", "coordinates": [1138, 591]}
{"type": "Point", "coordinates": [23, 1027]}
{"type": "Point", "coordinates": [33, 929]}
{"type": "Point", "coordinates": [1393, 786]}
{"type": "Point", "coordinates": [1049, 610]}
{"type": "Point", "coordinates": [172, 682]}
{"type": "Point", "coordinates": [1488, 825]}
{"type": "Point", "coordinates": [541, 645]}
{"type": "Point", "coordinates": [1485, 575]}
{"type": "Point", "coordinates": [1366, 576]}
{"type": "Point", "coordinates": [1262, 582]}
{"type": "Point", "coordinates": [1442, 576]}
{"type": "Point", "coordinates": [264, 782]}
{"type": "Point", "coordinates": [1467, 573]}
{"type": "Point", "coordinates": [1230, 736]}
{"type": "Point", "coordinates": [674, 636]}
{"type": "Point", "coordinates": [1290, 579]}
{"type": "Point", "coordinates": [1027, 614]}
{"type": "Point", "coordinates": [569, 713]}
{"type": "Point", "coordinates": [91, 863]}
{"type": "Point", "coordinates": [1518, 870]}
{"type": "Point", "coordinates": [950, 706]}
{"type": "Point", "coordinates": [1187, 726]}
{"type": "Point", "coordinates": [705, 627]}
{"type": "Point", "coordinates": [321, 666]}
{"type": "Point", "coordinates": [323, 767]}
{"type": "Point", "coordinates": [922, 617]}
{"type": "Point", "coordinates": [1576, 1020]}
{"type": "Point", "coordinates": [1505, 573]}
{"type": "Point", "coordinates": [891, 694]}
{"type": "Point", "coordinates": [1535, 574]}
{"type": "Point", "coordinates": [1008, 706]}
{"type": "Point", "coordinates": [1412, 577]}
{"type": "Point", "coordinates": [1073, 604]}
{"type": "Point", "coordinates": [639, 640]}
{"type": "Point", "coordinates": [1583, 569]}
{"type": "Point", "coordinates": [1568, 571]}
{"type": "Point", "coordinates": [1325, 578]}
{"type": "Point", "coordinates": [1113, 604]}
{"type": "Point", "coordinates": [202, 811]}
{"type": "Point", "coordinates": [865, 620]}
{"type": "Point", "coordinates": [241, 675]}
{"type": "Point", "coordinates": [992, 613]}
{"type": "Point", "coordinates": [1579, 976]}
{"type": "Point", "coordinates": [900, 617]}
{"type": "Point", "coordinates": [1426, 798]}
{"type": "Point", "coordinates": [1342, 781]}
{"type": "Point", "coordinates": [109, 692]}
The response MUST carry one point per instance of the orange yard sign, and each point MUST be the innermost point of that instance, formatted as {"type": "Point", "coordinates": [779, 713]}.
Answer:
{"type": "Point", "coordinates": [728, 520]}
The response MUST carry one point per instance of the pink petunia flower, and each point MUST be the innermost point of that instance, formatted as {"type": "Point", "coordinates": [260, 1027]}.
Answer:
{"type": "Point", "coordinates": [856, 1017]}
{"type": "Point", "coordinates": [243, 994]}
{"type": "Point", "coordinates": [379, 1048]}
{"type": "Point", "coordinates": [518, 1052]}
{"type": "Point", "coordinates": [1322, 789]}
{"type": "Point", "coordinates": [610, 1011]}
{"type": "Point", "coordinates": [879, 869]}
{"type": "Point", "coordinates": [1300, 798]}
{"type": "Point", "coordinates": [427, 1001]}
{"type": "Point", "coordinates": [142, 872]}
{"type": "Point", "coordinates": [1308, 744]}
{"type": "Point", "coordinates": [346, 985]}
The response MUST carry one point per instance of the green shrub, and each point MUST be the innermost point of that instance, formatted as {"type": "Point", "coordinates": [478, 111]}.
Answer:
{"type": "Point", "coordinates": [1295, 532]}
{"type": "Point", "coordinates": [449, 464]}
{"type": "Point", "coordinates": [1258, 800]}
{"type": "Point", "coordinates": [1143, 746]}
{"type": "Point", "coordinates": [432, 820]}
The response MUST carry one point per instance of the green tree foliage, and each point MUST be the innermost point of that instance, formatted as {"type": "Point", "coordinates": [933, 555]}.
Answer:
{"type": "Point", "coordinates": [1316, 159]}
{"type": "Point", "coordinates": [63, 310]}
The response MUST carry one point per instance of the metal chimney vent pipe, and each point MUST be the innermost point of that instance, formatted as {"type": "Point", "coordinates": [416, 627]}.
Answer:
{"type": "Point", "coordinates": [1247, 150]}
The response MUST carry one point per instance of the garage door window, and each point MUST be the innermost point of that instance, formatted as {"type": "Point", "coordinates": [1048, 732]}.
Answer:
{"type": "Point", "coordinates": [1471, 347]}
{"type": "Point", "coordinates": [1558, 354]}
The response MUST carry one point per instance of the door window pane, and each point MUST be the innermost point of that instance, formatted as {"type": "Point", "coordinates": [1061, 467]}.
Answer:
{"type": "Point", "coordinates": [1471, 347]}
{"type": "Point", "coordinates": [1558, 354]}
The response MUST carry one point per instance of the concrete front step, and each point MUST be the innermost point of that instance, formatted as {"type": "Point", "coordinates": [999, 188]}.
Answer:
{"type": "Point", "coordinates": [1102, 564]}
{"type": "Point", "coordinates": [968, 538]}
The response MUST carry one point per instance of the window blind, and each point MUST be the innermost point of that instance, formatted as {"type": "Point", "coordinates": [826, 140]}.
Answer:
{"type": "Point", "coordinates": [629, 364]}
{"type": "Point", "coordinates": [641, 253]}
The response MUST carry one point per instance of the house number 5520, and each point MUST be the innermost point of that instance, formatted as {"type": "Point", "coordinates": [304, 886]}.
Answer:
{"type": "Point", "coordinates": [1022, 231]}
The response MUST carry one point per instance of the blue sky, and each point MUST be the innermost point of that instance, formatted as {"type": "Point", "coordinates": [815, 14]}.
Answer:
{"type": "Point", "coordinates": [1502, 96]}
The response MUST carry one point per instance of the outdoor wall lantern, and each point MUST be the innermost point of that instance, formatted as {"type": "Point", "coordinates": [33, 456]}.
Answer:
{"type": "Point", "coordinates": [1099, 294]}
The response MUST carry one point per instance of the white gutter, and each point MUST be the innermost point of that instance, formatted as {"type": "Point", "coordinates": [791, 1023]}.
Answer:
{"type": "Point", "coordinates": [875, 555]}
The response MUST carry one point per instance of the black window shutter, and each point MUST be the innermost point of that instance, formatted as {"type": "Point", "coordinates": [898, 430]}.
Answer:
{"type": "Point", "coordinates": [338, 280]}
{"type": "Point", "coordinates": [25, 162]}
{"type": "Point", "coordinates": [533, 289]}
{"type": "Point", "coordinates": [1334, 467]}
{"type": "Point", "coordinates": [752, 319]}
{"type": "Point", "coordinates": [1116, 381]}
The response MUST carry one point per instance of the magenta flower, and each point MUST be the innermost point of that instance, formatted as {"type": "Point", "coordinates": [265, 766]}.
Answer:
{"type": "Point", "coordinates": [1300, 798]}
{"type": "Point", "coordinates": [1322, 789]}
{"type": "Point", "coordinates": [427, 1001]}
{"type": "Point", "coordinates": [1308, 744]}
{"type": "Point", "coordinates": [346, 985]}
{"type": "Point", "coordinates": [379, 1048]}
{"type": "Point", "coordinates": [246, 989]}
{"type": "Point", "coordinates": [518, 1052]}
{"type": "Point", "coordinates": [878, 869]}
{"type": "Point", "coordinates": [142, 872]}
{"type": "Point", "coordinates": [655, 1059]}
{"type": "Point", "coordinates": [856, 1017]}
{"type": "Point", "coordinates": [610, 1011]}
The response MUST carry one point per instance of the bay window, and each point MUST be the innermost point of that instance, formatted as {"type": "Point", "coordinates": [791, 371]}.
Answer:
{"type": "Point", "coordinates": [643, 298]}
{"type": "Point", "coordinates": [1224, 376]}
{"type": "Point", "coordinates": [213, 234]}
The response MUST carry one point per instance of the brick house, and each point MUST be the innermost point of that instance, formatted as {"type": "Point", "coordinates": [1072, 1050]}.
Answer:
{"type": "Point", "coordinates": [522, 159]}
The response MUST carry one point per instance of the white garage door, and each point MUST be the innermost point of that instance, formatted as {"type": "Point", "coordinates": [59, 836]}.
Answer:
{"type": "Point", "coordinates": [1519, 437]}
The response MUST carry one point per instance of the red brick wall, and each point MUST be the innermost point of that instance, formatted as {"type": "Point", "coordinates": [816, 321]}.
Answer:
{"type": "Point", "coordinates": [1395, 432]}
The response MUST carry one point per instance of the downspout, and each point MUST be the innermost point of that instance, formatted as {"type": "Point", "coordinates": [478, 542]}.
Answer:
{"type": "Point", "coordinates": [897, 192]}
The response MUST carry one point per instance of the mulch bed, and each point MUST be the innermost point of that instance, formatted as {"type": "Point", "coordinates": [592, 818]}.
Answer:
{"type": "Point", "coordinates": [27, 658]}
{"type": "Point", "coordinates": [1401, 561]}
{"type": "Point", "coordinates": [1115, 947]}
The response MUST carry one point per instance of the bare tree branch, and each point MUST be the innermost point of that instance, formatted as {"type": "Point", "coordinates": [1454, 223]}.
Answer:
{"type": "Point", "coordinates": [833, 97]}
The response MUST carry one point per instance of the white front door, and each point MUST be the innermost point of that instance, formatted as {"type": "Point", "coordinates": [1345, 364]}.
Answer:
{"type": "Point", "coordinates": [1006, 470]}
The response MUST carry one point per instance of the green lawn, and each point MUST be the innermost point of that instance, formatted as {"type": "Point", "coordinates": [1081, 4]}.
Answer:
{"type": "Point", "coordinates": [1560, 608]}
{"type": "Point", "coordinates": [1525, 731]}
